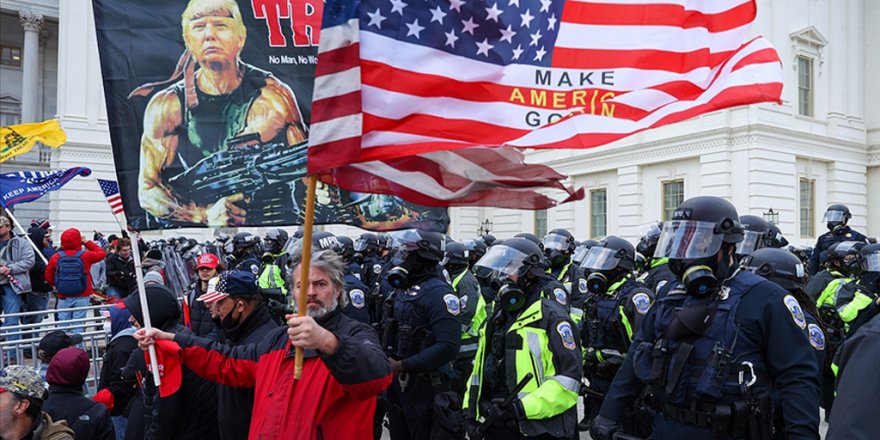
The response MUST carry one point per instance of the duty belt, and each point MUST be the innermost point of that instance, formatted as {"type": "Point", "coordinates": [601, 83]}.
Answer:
{"type": "Point", "coordinates": [722, 419]}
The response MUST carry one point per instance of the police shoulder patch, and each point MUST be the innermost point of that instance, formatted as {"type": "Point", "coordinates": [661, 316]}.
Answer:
{"type": "Point", "coordinates": [660, 285]}
{"type": "Point", "coordinates": [560, 295]}
{"type": "Point", "coordinates": [566, 333]}
{"type": "Point", "coordinates": [642, 302]}
{"type": "Point", "coordinates": [463, 302]}
{"type": "Point", "coordinates": [582, 285]}
{"type": "Point", "coordinates": [817, 338]}
{"type": "Point", "coordinates": [797, 314]}
{"type": "Point", "coordinates": [255, 269]}
{"type": "Point", "coordinates": [358, 299]}
{"type": "Point", "coordinates": [377, 269]}
{"type": "Point", "coordinates": [452, 304]}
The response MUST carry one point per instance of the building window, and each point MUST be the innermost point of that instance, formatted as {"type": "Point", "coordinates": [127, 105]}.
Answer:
{"type": "Point", "coordinates": [673, 195]}
{"type": "Point", "coordinates": [805, 86]}
{"type": "Point", "coordinates": [598, 213]}
{"type": "Point", "coordinates": [807, 202]}
{"type": "Point", "coordinates": [9, 119]}
{"type": "Point", "coordinates": [10, 56]}
{"type": "Point", "coordinates": [541, 223]}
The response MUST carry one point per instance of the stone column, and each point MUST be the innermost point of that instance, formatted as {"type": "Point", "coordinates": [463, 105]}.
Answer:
{"type": "Point", "coordinates": [31, 22]}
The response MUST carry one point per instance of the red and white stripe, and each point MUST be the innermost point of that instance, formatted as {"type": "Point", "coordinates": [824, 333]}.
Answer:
{"type": "Point", "coordinates": [115, 202]}
{"type": "Point", "coordinates": [437, 129]}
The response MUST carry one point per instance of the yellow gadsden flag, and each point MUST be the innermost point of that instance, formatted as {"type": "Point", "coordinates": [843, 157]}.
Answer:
{"type": "Point", "coordinates": [19, 139]}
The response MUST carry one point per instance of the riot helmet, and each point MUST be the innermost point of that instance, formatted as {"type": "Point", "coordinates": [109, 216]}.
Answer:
{"type": "Point", "coordinates": [847, 255]}
{"type": "Point", "coordinates": [756, 230]}
{"type": "Point", "coordinates": [325, 241]}
{"type": "Point", "coordinates": [581, 251]}
{"type": "Point", "coordinates": [456, 257]}
{"type": "Point", "coordinates": [346, 247]}
{"type": "Point", "coordinates": [777, 265]}
{"type": "Point", "coordinates": [367, 244]}
{"type": "Point", "coordinates": [607, 262]}
{"type": "Point", "coordinates": [870, 277]}
{"type": "Point", "coordinates": [386, 243]}
{"type": "Point", "coordinates": [275, 239]}
{"type": "Point", "coordinates": [701, 228]}
{"type": "Point", "coordinates": [488, 239]}
{"type": "Point", "coordinates": [558, 245]}
{"type": "Point", "coordinates": [245, 243]}
{"type": "Point", "coordinates": [836, 217]}
{"type": "Point", "coordinates": [511, 266]}
{"type": "Point", "coordinates": [774, 237]}
{"type": "Point", "coordinates": [531, 237]}
{"type": "Point", "coordinates": [416, 257]}
{"type": "Point", "coordinates": [476, 249]}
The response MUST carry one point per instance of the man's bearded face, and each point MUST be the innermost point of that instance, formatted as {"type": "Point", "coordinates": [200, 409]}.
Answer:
{"type": "Point", "coordinates": [323, 295]}
{"type": "Point", "coordinates": [213, 40]}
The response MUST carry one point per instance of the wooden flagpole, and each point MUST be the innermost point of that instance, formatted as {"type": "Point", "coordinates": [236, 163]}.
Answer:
{"type": "Point", "coordinates": [142, 295]}
{"type": "Point", "coordinates": [305, 266]}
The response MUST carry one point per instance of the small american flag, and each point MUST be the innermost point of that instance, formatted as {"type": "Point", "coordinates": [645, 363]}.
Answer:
{"type": "Point", "coordinates": [111, 192]}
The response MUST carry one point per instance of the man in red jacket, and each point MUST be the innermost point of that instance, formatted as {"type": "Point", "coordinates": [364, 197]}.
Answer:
{"type": "Point", "coordinates": [343, 371]}
{"type": "Point", "coordinates": [72, 243]}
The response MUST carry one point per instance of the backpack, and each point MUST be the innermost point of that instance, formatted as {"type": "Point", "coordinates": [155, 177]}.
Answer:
{"type": "Point", "coordinates": [70, 274]}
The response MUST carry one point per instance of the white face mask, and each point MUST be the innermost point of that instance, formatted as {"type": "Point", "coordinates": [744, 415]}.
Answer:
{"type": "Point", "coordinates": [107, 327]}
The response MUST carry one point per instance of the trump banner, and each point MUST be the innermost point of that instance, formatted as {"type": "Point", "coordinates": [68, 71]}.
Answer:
{"type": "Point", "coordinates": [27, 186]}
{"type": "Point", "coordinates": [209, 106]}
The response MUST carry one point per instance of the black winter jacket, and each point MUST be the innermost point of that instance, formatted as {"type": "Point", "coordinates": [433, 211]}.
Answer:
{"type": "Point", "coordinates": [115, 359]}
{"type": "Point", "coordinates": [200, 318]}
{"type": "Point", "coordinates": [87, 418]}
{"type": "Point", "coordinates": [120, 274]}
{"type": "Point", "coordinates": [236, 404]}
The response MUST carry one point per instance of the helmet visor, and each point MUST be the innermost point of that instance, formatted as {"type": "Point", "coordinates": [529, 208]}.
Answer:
{"type": "Point", "coordinates": [688, 239]}
{"type": "Point", "coordinates": [600, 258]}
{"type": "Point", "coordinates": [834, 216]}
{"type": "Point", "coordinates": [871, 262]}
{"type": "Point", "coordinates": [556, 242]}
{"type": "Point", "coordinates": [580, 253]}
{"type": "Point", "coordinates": [649, 230]}
{"type": "Point", "coordinates": [752, 240]}
{"type": "Point", "coordinates": [361, 245]}
{"type": "Point", "coordinates": [502, 259]}
{"type": "Point", "coordinates": [411, 239]}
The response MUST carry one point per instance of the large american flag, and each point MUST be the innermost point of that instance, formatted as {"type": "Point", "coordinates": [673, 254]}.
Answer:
{"type": "Point", "coordinates": [427, 99]}
{"type": "Point", "coordinates": [111, 191]}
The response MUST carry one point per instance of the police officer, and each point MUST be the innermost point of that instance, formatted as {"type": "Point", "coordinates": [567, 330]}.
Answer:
{"type": "Point", "coordinates": [786, 270]}
{"type": "Point", "coordinates": [273, 278]}
{"type": "Point", "coordinates": [421, 333]}
{"type": "Point", "coordinates": [473, 310]}
{"type": "Point", "coordinates": [245, 253]}
{"type": "Point", "coordinates": [559, 245]}
{"type": "Point", "coordinates": [834, 269]}
{"type": "Point", "coordinates": [578, 294]}
{"type": "Point", "coordinates": [528, 334]}
{"type": "Point", "coordinates": [655, 272]}
{"type": "Point", "coordinates": [615, 307]}
{"type": "Point", "coordinates": [836, 219]}
{"type": "Point", "coordinates": [866, 303]}
{"type": "Point", "coordinates": [774, 237]}
{"type": "Point", "coordinates": [476, 249]}
{"type": "Point", "coordinates": [756, 232]}
{"type": "Point", "coordinates": [712, 351]}
{"type": "Point", "coordinates": [366, 250]}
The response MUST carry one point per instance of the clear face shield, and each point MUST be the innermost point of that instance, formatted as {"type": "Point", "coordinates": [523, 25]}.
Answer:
{"type": "Point", "coordinates": [834, 216]}
{"type": "Point", "coordinates": [752, 241]}
{"type": "Point", "coordinates": [600, 258]}
{"type": "Point", "coordinates": [501, 262]}
{"type": "Point", "coordinates": [580, 253]}
{"type": "Point", "coordinates": [688, 239]}
{"type": "Point", "coordinates": [871, 262]}
{"type": "Point", "coordinates": [649, 231]}
{"type": "Point", "coordinates": [556, 242]}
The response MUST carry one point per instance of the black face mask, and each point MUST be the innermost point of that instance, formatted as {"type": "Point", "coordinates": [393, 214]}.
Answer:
{"type": "Point", "coordinates": [408, 268]}
{"type": "Point", "coordinates": [228, 322]}
{"type": "Point", "coordinates": [701, 277]}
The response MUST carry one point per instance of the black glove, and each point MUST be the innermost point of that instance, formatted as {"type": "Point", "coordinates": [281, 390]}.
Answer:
{"type": "Point", "coordinates": [508, 416]}
{"type": "Point", "coordinates": [471, 426]}
{"type": "Point", "coordinates": [603, 428]}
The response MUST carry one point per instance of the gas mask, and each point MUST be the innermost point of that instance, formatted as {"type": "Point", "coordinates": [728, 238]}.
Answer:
{"type": "Point", "coordinates": [598, 281]}
{"type": "Point", "coordinates": [557, 259]}
{"type": "Point", "coordinates": [836, 228]}
{"type": "Point", "coordinates": [407, 266]}
{"type": "Point", "coordinates": [511, 297]}
{"type": "Point", "coordinates": [702, 276]}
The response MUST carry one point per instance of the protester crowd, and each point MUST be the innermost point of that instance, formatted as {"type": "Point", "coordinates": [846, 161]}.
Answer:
{"type": "Point", "coordinates": [710, 326]}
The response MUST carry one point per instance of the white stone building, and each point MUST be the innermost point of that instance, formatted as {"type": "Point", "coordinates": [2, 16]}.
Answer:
{"type": "Point", "coordinates": [821, 146]}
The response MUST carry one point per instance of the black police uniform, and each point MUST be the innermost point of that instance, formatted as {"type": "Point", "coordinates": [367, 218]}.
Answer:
{"type": "Point", "coordinates": [468, 290]}
{"type": "Point", "coordinates": [757, 330]}
{"type": "Point", "coordinates": [358, 307]}
{"type": "Point", "coordinates": [551, 288]}
{"type": "Point", "coordinates": [423, 331]}
{"type": "Point", "coordinates": [658, 277]}
{"type": "Point", "coordinates": [248, 263]}
{"type": "Point", "coordinates": [820, 251]}
{"type": "Point", "coordinates": [371, 268]}
{"type": "Point", "coordinates": [610, 319]}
